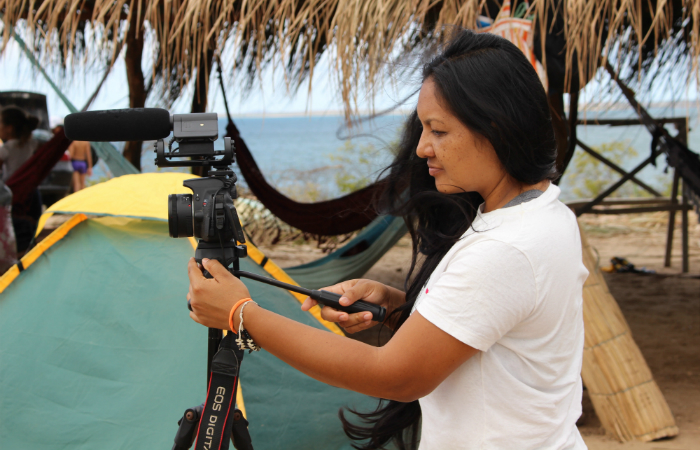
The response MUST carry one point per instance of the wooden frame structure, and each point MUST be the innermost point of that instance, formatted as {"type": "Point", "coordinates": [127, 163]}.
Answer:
{"type": "Point", "coordinates": [642, 205]}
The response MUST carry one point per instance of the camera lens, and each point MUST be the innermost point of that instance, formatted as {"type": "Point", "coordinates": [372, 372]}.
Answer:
{"type": "Point", "coordinates": [180, 222]}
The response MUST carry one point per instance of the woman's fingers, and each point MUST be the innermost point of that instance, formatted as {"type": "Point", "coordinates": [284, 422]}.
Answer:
{"type": "Point", "coordinates": [349, 322]}
{"type": "Point", "coordinates": [333, 315]}
{"type": "Point", "coordinates": [211, 299]}
{"type": "Point", "coordinates": [359, 327]}
{"type": "Point", "coordinates": [370, 291]}
{"type": "Point", "coordinates": [308, 304]}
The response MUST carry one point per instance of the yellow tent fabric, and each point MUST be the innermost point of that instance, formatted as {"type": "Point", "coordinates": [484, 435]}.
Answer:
{"type": "Point", "coordinates": [145, 196]}
{"type": "Point", "coordinates": [142, 196]}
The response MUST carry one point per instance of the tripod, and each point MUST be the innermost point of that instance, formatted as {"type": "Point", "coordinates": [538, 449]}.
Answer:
{"type": "Point", "coordinates": [211, 424]}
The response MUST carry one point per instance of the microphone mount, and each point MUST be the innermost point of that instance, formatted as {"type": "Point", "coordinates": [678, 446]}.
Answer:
{"type": "Point", "coordinates": [195, 135]}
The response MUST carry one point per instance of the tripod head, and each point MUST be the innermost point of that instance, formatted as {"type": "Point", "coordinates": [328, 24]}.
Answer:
{"type": "Point", "coordinates": [209, 214]}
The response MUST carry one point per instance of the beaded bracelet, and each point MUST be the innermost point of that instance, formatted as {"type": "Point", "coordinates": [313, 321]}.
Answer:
{"type": "Point", "coordinates": [244, 340]}
{"type": "Point", "coordinates": [233, 310]}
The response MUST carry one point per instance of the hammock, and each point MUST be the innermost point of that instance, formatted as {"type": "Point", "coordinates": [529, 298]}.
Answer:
{"type": "Point", "coordinates": [328, 218]}
{"type": "Point", "coordinates": [355, 258]}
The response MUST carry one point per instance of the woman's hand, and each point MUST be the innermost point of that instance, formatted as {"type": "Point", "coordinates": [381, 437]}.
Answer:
{"type": "Point", "coordinates": [211, 299]}
{"type": "Point", "coordinates": [352, 291]}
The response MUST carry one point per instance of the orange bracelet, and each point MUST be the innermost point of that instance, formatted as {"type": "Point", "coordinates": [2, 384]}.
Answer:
{"type": "Point", "coordinates": [233, 310]}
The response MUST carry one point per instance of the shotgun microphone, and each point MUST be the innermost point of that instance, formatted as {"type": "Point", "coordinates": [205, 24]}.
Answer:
{"type": "Point", "coordinates": [136, 124]}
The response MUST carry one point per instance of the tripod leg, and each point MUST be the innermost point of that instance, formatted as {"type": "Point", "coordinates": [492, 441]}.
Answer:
{"type": "Point", "coordinates": [188, 427]}
{"type": "Point", "coordinates": [239, 432]}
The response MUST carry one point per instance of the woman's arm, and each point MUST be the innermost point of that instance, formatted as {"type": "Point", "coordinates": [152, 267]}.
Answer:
{"type": "Point", "coordinates": [416, 360]}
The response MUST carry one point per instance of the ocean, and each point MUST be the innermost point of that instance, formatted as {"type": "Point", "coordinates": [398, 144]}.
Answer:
{"type": "Point", "coordinates": [313, 158]}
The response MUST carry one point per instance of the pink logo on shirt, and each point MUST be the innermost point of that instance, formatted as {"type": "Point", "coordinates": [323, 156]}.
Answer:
{"type": "Point", "coordinates": [426, 290]}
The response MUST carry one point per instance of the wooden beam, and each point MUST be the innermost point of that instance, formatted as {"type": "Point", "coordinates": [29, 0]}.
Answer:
{"type": "Point", "coordinates": [624, 202]}
{"type": "Point", "coordinates": [629, 122]}
{"type": "Point", "coordinates": [586, 208]}
{"type": "Point", "coordinates": [617, 168]}
{"type": "Point", "coordinates": [647, 209]}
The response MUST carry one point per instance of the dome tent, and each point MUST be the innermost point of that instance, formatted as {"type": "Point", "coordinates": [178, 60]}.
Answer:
{"type": "Point", "coordinates": [97, 349]}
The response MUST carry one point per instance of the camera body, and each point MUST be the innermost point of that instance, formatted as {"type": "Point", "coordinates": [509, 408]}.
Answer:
{"type": "Point", "coordinates": [206, 213]}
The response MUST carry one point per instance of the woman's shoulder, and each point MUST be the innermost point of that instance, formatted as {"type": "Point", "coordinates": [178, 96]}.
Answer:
{"type": "Point", "coordinates": [481, 252]}
{"type": "Point", "coordinates": [544, 236]}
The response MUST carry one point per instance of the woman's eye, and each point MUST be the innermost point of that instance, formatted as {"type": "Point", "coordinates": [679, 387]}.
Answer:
{"type": "Point", "coordinates": [438, 133]}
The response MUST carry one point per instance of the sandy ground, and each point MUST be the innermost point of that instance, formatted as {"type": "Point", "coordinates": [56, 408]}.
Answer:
{"type": "Point", "coordinates": [663, 311]}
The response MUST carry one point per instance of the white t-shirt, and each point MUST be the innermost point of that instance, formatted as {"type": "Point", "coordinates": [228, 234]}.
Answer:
{"type": "Point", "coordinates": [14, 153]}
{"type": "Point", "coordinates": [511, 288]}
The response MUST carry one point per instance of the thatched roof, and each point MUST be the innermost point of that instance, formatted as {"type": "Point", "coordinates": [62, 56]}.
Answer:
{"type": "Point", "coordinates": [360, 36]}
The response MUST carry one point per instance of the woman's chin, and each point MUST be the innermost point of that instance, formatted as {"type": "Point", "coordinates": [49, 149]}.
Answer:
{"type": "Point", "coordinates": [448, 188]}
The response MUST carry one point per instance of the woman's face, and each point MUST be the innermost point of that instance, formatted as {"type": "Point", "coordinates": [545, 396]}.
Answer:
{"type": "Point", "coordinates": [459, 159]}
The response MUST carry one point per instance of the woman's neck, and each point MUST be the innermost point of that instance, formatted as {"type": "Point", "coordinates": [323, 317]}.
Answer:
{"type": "Point", "coordinates": [506, 190]}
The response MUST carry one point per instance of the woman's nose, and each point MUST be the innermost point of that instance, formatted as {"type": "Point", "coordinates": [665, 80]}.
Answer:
{"type": "Point", "coordinates": [424, 148]}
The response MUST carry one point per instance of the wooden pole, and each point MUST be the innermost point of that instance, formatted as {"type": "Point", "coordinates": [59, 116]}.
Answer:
{"type": "Point", "coordinates": [684, 222]}
{"type": "Point", "coordinates": [201, 90]}
{"type": "Point", "coordinates": [671, 219]}
{"type": "Point", "coordinates": [561, 127]}
{"type": "Point", "coordinates": [681, 125]}
{"type": "Point", "coordinates": [135, 78]}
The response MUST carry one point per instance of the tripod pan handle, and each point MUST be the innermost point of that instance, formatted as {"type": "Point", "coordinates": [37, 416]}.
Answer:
{"type": "Point", "coordinates": [333, 300]}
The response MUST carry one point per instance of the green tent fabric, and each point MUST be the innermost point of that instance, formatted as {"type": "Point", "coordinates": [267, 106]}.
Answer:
{"type": "Point", "coordinates": [111, 157]}
{"type": "Point", "coordinates": [97, 350]}
{"type": "Point", "coordinates": [355, 258]}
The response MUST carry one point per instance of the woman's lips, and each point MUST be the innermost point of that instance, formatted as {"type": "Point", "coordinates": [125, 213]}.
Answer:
{"type": "Point", "coordinates": [434, 171]}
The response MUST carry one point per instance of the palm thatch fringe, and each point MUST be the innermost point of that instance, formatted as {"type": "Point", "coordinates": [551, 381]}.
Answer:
{"type": "Point", "coordinates": [361, 36]}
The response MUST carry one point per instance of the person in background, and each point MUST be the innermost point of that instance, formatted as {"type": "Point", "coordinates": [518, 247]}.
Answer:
{"type": "Point", "coordinates": [18, 146]}
{"type": "Point", "coordinates": [81, 159]}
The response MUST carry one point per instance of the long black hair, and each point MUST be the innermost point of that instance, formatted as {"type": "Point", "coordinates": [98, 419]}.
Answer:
{"type": "Point", "coordinates": [491, 87]}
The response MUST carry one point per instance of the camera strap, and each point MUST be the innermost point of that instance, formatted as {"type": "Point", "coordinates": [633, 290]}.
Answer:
{"type": "Point", "coordinates": [214, 430]}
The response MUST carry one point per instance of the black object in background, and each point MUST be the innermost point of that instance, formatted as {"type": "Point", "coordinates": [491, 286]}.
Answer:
{"type": "Point", "coordinates": [135, 124]}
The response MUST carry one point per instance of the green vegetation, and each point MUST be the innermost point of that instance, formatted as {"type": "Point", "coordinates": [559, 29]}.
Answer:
{"type": "Point", "coordinates": [358, 165]}
{"type": "Point", "coordinates": [587, 176]}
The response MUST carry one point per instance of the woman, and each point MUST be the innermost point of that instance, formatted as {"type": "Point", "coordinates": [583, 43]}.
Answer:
{"type": "Point", "coordinates": [488, 336]}
{"type": "Point", "coordinates": [18, 146]}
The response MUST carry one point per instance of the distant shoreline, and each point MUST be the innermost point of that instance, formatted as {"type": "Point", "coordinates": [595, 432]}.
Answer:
{"type": "Point", "coordinates": [584, 108]}
{"type": "Point", "coordinates": [329, 113]}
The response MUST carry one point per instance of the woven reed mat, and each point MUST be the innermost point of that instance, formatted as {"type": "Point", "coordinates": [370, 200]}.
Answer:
{"type": "Point", "coordinates": [622, 389]}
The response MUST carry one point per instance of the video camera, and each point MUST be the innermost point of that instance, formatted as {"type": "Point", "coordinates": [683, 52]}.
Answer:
{"type": "Point", "coordinates": [208, 213]}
